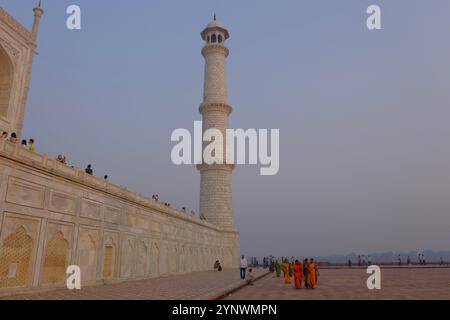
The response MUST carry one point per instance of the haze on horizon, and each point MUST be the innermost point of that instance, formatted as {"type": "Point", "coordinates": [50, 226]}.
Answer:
{"type": "Point", "coordinates": [363, 115]}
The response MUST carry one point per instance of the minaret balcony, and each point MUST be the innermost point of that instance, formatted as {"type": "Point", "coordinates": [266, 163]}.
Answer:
{"type": "Point", "coordinates": [218, 107]}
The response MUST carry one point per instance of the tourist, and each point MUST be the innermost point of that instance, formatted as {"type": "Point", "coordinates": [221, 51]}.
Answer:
{"type": "Point", "coordinates": [369, 260]}
{"type": "Point", "coordinates": [359, 261]}
{"type": "Point", "coordinates": [251, 278]}
{"type": "Point", "coordinates": [316, 265]}
{"type": "Point", "coordinates": [31, 145]}
{"type": "Point", "coordinates": [106, 178]}
{"type": "Point", "coordinates": [13, 138]}
{"type": "Point", "coordinates": [183, 209]}
{"type": "Point", "coordinates": [244, 266]}
{"type": "Point", "coordinates": [349, 263]}
{"type": "Point", "coordinates": [399, 260]}
{"type": "Point", "coordinates": [287, 274]}
{"type": "Point", "coordinates": [441, 262]}
{"type": "Point", "coordinates": [4, 135]}
{"type": "Point", "coordinates": [217, 266]}
{"type": "Point", "coordinates": [272, 267]}
{"type": "Point", "coordinates": [312, 274]}
{"type": "Point", "coordinates": [408, 261]}
{"type": "Point", "coordinates": [24, 143]}
{"type": "Point", "coordinates": [305, 272]}
{"type": "Point", "coordinates": [60, 158]}
{"type": "Point", "coordinates": [291, 271]}
{"type": "Point", "coordinates": [89, 170]}
{"type": "Point", "coordinates": [298, 274]}
{"type": "Point", "coordinates": [278, 268]}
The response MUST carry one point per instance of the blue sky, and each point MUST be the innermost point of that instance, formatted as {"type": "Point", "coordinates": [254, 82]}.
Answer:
{"type": "Point", "coordinates": [363, 115]}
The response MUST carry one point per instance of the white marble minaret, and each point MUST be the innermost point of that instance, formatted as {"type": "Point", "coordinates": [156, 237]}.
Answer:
{"type": "Point", "coordinates": [215, 182]}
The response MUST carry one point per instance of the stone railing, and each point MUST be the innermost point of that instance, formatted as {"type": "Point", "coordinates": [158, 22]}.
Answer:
{"type": "Point", "coordinates": [15, 152]}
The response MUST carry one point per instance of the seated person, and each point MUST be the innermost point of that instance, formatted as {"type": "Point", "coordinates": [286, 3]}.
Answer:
{"type": "Point", "coordinates": [250, 277]}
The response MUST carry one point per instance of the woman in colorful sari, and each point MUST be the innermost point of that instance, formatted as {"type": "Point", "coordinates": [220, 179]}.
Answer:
{"type": "Point", "coordinates": [286, 267]}
{"type": "Point", "coordinates": [278, 268]}
{"type": "Point", "coordinates": [312, 274]}
{"type": "Point", "coordinates": [298, 274]}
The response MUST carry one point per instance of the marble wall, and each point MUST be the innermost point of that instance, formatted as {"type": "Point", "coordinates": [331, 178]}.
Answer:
{"type": "Point", "coordinates": [53, 216]}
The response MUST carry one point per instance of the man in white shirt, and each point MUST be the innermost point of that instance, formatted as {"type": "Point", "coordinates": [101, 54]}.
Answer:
{"type": "Point", "coordinates": [244, 266]}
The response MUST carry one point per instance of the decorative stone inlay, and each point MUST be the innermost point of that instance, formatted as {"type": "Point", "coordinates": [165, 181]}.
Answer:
{"type": "Point", "coordinates": [12, 52]}
{"type": "Point", "coordinates": [16, 25]}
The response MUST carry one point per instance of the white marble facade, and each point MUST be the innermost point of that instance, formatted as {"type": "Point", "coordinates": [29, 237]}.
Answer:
{"type": "Point", "coordinates": [53, 216]}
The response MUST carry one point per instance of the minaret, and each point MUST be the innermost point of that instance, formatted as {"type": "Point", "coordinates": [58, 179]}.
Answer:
{"type": "Point", "coordinates": [215, 180]}
{"type": "Point", "coordinates": [38, 12]}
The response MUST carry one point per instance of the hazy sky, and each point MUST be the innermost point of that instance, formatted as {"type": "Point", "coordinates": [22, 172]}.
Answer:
{"type": "Point", "coordinates": [364, 116]}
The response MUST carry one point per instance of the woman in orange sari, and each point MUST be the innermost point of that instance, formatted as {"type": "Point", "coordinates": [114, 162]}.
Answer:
{"type": "Point", "coordinates": [312, 275]}
{"type": "Point", "coordinates": [287, 276]}
{"type": "Point", "coordinates": [298, 274]}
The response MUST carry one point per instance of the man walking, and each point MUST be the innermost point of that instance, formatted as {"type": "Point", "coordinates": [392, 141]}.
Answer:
{"type": "Point", "coordinates": [244, 266]}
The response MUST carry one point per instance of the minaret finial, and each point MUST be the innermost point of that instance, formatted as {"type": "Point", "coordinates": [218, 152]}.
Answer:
{"type": "Point", "coordinates": [38, 12]}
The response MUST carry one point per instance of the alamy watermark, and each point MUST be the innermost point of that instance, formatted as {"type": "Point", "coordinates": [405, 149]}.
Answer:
{"type": "Point", "coordinates": [374, 280]}
{"type": "Point", "coordinates": [74, 277]}
{"type": "Point", "coordinates": [209, 147]}
{"type": "Point", "coordinates": [73, 21]}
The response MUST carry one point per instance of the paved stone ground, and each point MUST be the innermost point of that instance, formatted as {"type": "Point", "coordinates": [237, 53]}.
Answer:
{"type": "Point", "coordinates": [396, 283]}
{"type": "Point", "coordinates": [196, 286]}
{"type": "Point", "coordinates": [340, 283]}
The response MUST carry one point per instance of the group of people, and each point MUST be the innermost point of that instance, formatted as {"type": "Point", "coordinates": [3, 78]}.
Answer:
{"type": "Point", "coordinates": [305, 273]}
{"type": "Point", "coordinates": [367, 261]}
{"type": "Point", "coordinates": [155, 198]}
{"type": "Point", "coordinates": [28, 144]}
{"type": "Point", "coordinates": [62, 159]}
